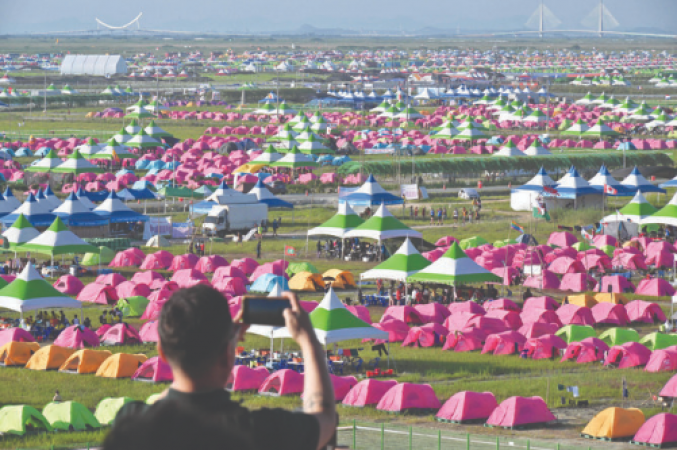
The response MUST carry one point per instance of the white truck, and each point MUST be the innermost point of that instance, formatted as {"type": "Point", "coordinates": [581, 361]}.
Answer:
{"type": "Point", "coordinates": [224, 219]}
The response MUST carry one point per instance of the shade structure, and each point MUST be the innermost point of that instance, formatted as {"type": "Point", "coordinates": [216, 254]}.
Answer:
{"type": "Point", "coordinates": [314, 146]}
{"type": "Point", "coordinates": [334, 323]}
{"type": "Point", "coordinates": [29, 291]}
{"type": "Point", "coordinates": [76, 214]}
{"type": "Point", "coordinates": [46, 164]}
{"type": "Point", "coordinates": [143, 140]}
{"type": "Point", "coordinates": [454, 267]}
{"type": "Point", "coordinates": [636, 182]}
{"type": "Point", "coordinates": [266, 158]}
{"type": "Point", "coordinates": [20, 232]}
{"type": "Point", "coordinates": [76, 164]}
{"type": "Point", "coordinates": [667, 215]}
{"type": "Point", "coordinates": [577, 129]}
{"type": "Point", "coordinates": [155, 131]}
{"type": "Point", "coordinates": [370, 194]}
{"type": "Point", "coordinates": [382, 225]}
{"type": "Point", "coordinates": [295, 160]}
{"type": "Point", "coordinates": [536, 149]}
{"type": "Point", "coordinates": [340, 224]}
{"type": "Point", "coordinates": [573, 185]}
{"type": "Point", "coordinates": [122, 137]}
{"type": "Point", "coordinates": [604, 178]}
{"type": "Point", "coordinates": [38, 214]}
{"type": "Point", "coordinates": [10, 201]}
{"type": "Point", "coordinates": [599, 130]}
{"type": "Point", "coordinates": [114, 151]}
{"type": "Point", "coordinates": [637, 210]}
{"type": "Point", "coordinates": [117, 212]}
{"type": "Point", "coordinates": [59, 240]}
{"type": "Point", "coordinates": [265, 196]}
{"type": "Point", "coordinates": [471, 133]}
{"type": "Point", "coordinates": [84, 199]}
{"type": "Point", "coordinates": [509, 149]}
{"type": "Point", "coordinates": [405, 262]}
{"type": "Point", "coordinates": [90, 148]}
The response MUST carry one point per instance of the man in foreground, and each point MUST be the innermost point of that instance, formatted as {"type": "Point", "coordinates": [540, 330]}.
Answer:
{"type": "Point", "coordinates": [198, 340]}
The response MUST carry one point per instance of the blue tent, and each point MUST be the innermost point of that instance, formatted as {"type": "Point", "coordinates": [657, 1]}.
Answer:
{"type": "Point", "coordinates": [142, 164]}
{"type": "Point", "coordinates": [122, 172]}
{"type": "Point", "coordinates": [627, 146]}
{"type": "Point", "coordinates": [370, 194]}
{"type": "Point", "coordinates": [142, 184]}
{"type": "Point", "coordinates": [7, 150]}
{"type": "Point", "coordinates": [202, 208]}
{"type": "Point", "coordinates": [159, 165]}
{"type": "Point", "coordinates": [24, 152]}
{"type": "Point", "coordinates": [265, 196]}
{"type": "Point", "coordinates": [117, 212]}
{"type": "Point", "coordinates": [267, 282]}
{"type": "Point", "coordinates": [42, 151]}
{"type": "Point", "coordinates": [203, 190]}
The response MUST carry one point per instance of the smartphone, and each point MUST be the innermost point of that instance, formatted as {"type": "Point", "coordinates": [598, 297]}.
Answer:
{"type": "Point", "coordinates": [264, 310]}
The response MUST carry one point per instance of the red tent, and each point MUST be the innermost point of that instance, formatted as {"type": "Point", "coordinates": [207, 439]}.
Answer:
{"type": "Point", "coordinates": [467, 340]}
{"type": "Point", "coordinates": [630, 354]}
{"type": "Point", "coordinates": [397, 330]}
{"type": "Point", "coordinates": [132, 289]}
{"type": "Point", "coordinates": [360, 312]}
{"type": "Point", "coordinates": [98, 293]}
{"type": "Point", "coordinates": [76, 336]}
{"type": "Point", "coordinates": [432, 312]}
{"type": "Point", "coordinates": [154, 369]}
{"type": "Point", "coordinates": [282, 382]}
{"type": "Point", "coordinates": [660, 430]}
{"type": "Point", "coordinates": [510, 319]}
{"type": "Point", "coordinates": [15, 335]}
{"type": "Point", "coordinates": [243, 378]}
{"type": "Point", "coordinates": [187, 261]}
{"type": "Point", "coordinates": [120, 334]}
{"type": "Point", "coordinates": [535, 315]}
{"type": "Point", "coordinates": [147, 277]}
{"type": "Point", "coordinates": [427, 335]}
{"type": "Point", "coordinates": [406, 314]}
{"type": "Point", "coordinates": [588, 350]}
{"type": "Point", "coordinates": [618, 284]}
{"type": "Point", "coordinates": [407, 396]}
{"type": "Point", "coordinates": [609, 313]}
{"type": "Point", "coordinates": [664, 360]}
{"type": "Point", "coordinates": [467, 406]}
{"type": "Point", "coordinates": [502, 304]}
{"type": "Point", "coordinates": [641, 311]}
{"type": "Point", "coordinates": [368, 392]}
{"type": "Point", "coordinates": [520, 411]}
{"type": "Point", "coordinates": [536, 329]}
{"type": "Point", "coordinates": [466, 307]}
{"type": "Point", "coordinates": [68, 284]}
{"type": "Point", "coordinates": [670, 388]}
{"type": "Point", "coordinates": [545, 346]}
{"type": "Point", "coordinates": [570, 314]}
{"type": "Point", "coordinates": [149, 331]}
{"type": "Point", "coordinates": [543, 302]}
{"type": "Point", "coordinates": [506, 343]}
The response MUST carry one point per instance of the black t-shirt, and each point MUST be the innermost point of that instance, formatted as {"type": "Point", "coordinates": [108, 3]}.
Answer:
{"type": "Point", "coordinates": [277, 429]}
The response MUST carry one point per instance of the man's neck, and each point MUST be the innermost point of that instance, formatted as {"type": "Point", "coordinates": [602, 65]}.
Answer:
{"type": "Point", "coordinates": [209, 382]}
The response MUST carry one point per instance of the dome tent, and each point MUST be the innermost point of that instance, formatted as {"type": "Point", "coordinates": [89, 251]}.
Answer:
{"type": "Point", "coordinates": [614, 423]}
{"type": "Point", "coordinates": [467, 406]}
{"type": "Point", "coordinates": [368, 392]}
{"type": "Point", "coordinates": [70, 416]}
{"type": "Point", "coordinates": [108, 408]}
{"type": "Point", "coordinates": [18, 419]}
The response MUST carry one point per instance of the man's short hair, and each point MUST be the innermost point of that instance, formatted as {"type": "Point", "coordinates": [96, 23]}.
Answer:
{"type": "Point", "coordinates": [195, 327]}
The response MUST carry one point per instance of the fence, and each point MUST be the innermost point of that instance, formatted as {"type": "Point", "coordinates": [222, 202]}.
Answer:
{"type": "Point", "coordinates": [373, 436]}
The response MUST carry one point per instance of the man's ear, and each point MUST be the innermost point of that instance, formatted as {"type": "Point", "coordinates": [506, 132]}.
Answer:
{"type": "Point", "coordinates": [161, 353]}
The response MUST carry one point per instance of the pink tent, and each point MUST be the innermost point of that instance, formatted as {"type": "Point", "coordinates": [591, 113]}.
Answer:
{"type": "Point", "coordinates": [397, 330]}
{"type": "Point", "coordinates": [232, 286]}
{"type": "Point", "coordinates": [566, 264]}
{"type": "Point", "coordinates": [586, 351]}
{"type": "Point", "coordinates": [660, 259]}
{"type": "Point", "coordinates": [467, 307]}
{"type": "Point", "coordinates": [562, 239]}
{"type": "Point", "coordinates": [15, 335]}
{"type": "Point", "coordinates": [432, 312]}
{"type": "Point", "coordinates": [98, 293]}
{"type": "Point", "coordinates": [664, 360]}
{"type": "Point", "coordinates": [149, 331]}
{"type": "Point", "coordinates": [630, 261]}
{"type": "Point", "coordinates": [646, 312]}
{"type": "Point", "coordinates": [111, 279]}
{"type": "Point", "coordinates": [510, 319]}
{"type": "Point", "coordinates": [247, 265]}
{"type": "Point", "coordinates": [368, 392]}
{"type": "Point", "coordinates": [154, 369]}
{"type": "Point", "coordinates": [617, 283]}
{"type": "Point", "coordinates": [445, 241]}
{"type": "Point", "coordinates": [506, 343]}
{"type": "Point", "coordinates": [630, 354]}
{"type": "Point", "coordinates": [425, 336]}
{"type": "Point", "coordinates": [282, 382]}
{"type": "Point", "coordinates": [659, 431]}
{"type": "Point", "coordinates": [502, 303]}
{"type": "Point", "coordinates": [68, 284]}
{"type": "Point", "coordinates": [546, 281]}
{"type": "Point", "coordinates": [670, 388]}
{"type": "Point", "coordinates": [532, 330]}
{"type": "Point", "coordinates": [407, 396]}
{"type": "Point", "coordinates": [545, 346]}
{"type": "Point", "coordinates": [121, 334]}
{"type": "Point", "coordinates": [180, 262]}
{"type": "Point", "coordinates": [126, 259]}
{"type": "Point", "coordinates": [155, 262]}
{"type": "Point", "coordinates": [520, 411]}
{"type": "Point", "coordinates": [467, 406]}
{"type": "Point", "coordinates": [229, 271]}
{"type": "Point", "coordinates": [186, 278]}
{"type": "Point", "coordinates": [459, 321]}
{"type": "Point", "coordinates": [575, 315]}
{"type": "Point", "coordinates": [577, 282]}
{"type": "Point", "coordinates": [655, 287]}
{"type": "Point", "coordinates": [543, 302]}
{"type": "Point", "coordinates": [539, 316]}
{"type": "Point", "coordinates": [360, 312]}
{"type": "Point", "coordinates": [131, 289]}
{"type": "Point", "coordinates": [243, 378]}
{"type": "Point", "coordinates": [268, 268]}
{"type": "Point", "coordinates": [102, 329]}
{"type": "Point", "coordinates": [342, 385]}
{"type": "Point", "coordinates": [465, 341]}
{"type": "Point", "coordinates": [609, 313]}
{"type": "Point", "coordinates": [209, 264]}
{"type": "Point", "coordinates": [153, 309]}
{"type": "Point", "coordinates": [76, 336]}
{"type": "Point", "coordinates": [406, 314]}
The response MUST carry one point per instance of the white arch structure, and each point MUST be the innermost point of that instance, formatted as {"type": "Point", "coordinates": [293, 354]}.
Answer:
{"type": "Point", "coordinates": [123, 27]}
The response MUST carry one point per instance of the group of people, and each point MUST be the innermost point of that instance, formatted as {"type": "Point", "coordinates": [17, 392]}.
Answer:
{"type": "Point", "coordinates": [115, 317]}
{"type": "Point", "coordinates": [400, 294]}
{"type": "Point", "coordinates": [334, 248]}
{"type": "Point", "coordinates": [439, 215]}
{"type": "Point", "coordinates": [44, 320]}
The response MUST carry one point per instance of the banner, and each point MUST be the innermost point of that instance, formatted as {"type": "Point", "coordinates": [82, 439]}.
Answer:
{"type": "Point", "coordinates": [182, 230]}
{"type": "Point", "coordinates": [379, 151]}
{"type": "Point", "coordinates": [413, 192]}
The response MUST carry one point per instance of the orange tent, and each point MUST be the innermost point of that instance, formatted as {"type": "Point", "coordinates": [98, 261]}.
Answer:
{"type": "Point", "coordinates": [582, 300]}
{"type": "Point", "coordinates": [614, 423]}
{"type": "Point", "coordinates": [50, 357]}
{"type": "Point", "coordinates": [85, 361]}
{"type": "Point", "coordinates": [17, 353]}
{"type": "Point", "coordinates": [616, 299]}
{"type": "Point", "coordinates": [120, 365]}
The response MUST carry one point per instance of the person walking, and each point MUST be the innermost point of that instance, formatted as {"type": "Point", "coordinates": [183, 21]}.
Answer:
{"type": "Point", "coordinates": [455, 216]}
{"type": "Point", "coordinates": [258, 249]}
{"type": "Point", "coordinates": [274, 227]}
{"type": "Point", "coordinates": [439, 216]}
{"type": "Point", "coordinates": [432, 215]}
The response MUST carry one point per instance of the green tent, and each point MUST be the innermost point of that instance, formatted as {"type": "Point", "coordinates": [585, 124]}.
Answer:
{"type": "Point", "coordinates": [297, 267]}
{"type": "Point", "coordinates": [22, 418]}
{"type": "Point", "coordinates": [153, 398]}
{"type": "Point", "coordinates": [382, 225]}
{"type": "Point", "coordinates": [658, 341]}
{"type": "Point", "coordinates": [46, 164]}
{"type": "Point", "coordinates": [619, 336]}
{"type": "Point", "coordinates": [582, 246]}
{"type": "Point", "coordinates": [70, 416]}
{"type": "Point", "coordinates": [472, 242]}
{"type": "Point", "coordinates": [405, 262]}
{"type": "Point", "coordinates": [58, 240]}
{"type": "Point", "coordinates": [341, 223]}
{"type": "Point", "coordinates": [108, 408]}
{"type": "Point", "coordinates": [104, 257]}
{"type": "Point", "coordinates": [454, 267]}
{"type": "Point", "coordinates": [133, 306]}
{"type": "Point", "coordinates": [575, 333]}
{"type": "Point", "coordinates": [503, 243]}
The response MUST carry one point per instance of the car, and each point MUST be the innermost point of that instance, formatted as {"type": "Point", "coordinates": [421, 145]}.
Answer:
{"type": "Point", "coordinates": [468, 194]}
{"type": "Point", "coordinates": [277, 187]}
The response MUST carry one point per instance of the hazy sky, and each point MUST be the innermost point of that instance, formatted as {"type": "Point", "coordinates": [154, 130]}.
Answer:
{"type": "Point", "coordinates": [21, 16]}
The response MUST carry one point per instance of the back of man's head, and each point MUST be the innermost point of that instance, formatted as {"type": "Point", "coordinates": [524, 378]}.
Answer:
{"type": "Point", "coordinates": [195, 328]}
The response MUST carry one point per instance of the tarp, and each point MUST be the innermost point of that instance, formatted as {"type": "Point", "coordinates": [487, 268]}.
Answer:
{"type": "Point", "coordinates": [615, 423]}
{"type": "Point", "coordinates": [467, 406]}
{"type": "Point", "coordinates": [520, 411]}
{"type": "Point", "coordinates": [407, 396]}
{"type": "Point", "coordinates": [368, 392]}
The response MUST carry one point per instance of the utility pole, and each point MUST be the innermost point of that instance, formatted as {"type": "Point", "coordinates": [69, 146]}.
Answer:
{"type": "Point", "coordinates": [601, 18]}
{"type": "Point", "coordinates": [540, 23]}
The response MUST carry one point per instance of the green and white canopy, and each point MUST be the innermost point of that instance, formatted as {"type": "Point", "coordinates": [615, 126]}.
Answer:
{"type": "Point", "coordinates": [133, 127]}
{"type": "Point", "coordinates": [142, 140]}
{"type": "Point", "coordinates": [447, 131]}
{"type": "Point", "coordinates": [667, 215]}
{"type": "Point", "coordinates": [536, 116]}
{"type": "Point", "coordinates": [409, 113]}
{"type": "Point", "coordinates": [267, 109]}
{"type": "Point", "coordinates": [635, 211]}
{"type": "Point", "coordinates": [314, 146]}
{"type": "Point", "coordinates": [46, 164]}
{"type": "Point", "coordinates": [471, 133]}
{"type": "Point", "coordinates": [405, 262]}
{"type": "Point", "coordinates": [295, 159]}
{"type": "Point", "coordinates": [141, 114]}
{"type": "Point", "coordinates": [600, 130]}
{"type": "Point", "coordinates": [302, 125]}
{"type": "Point", "coordinates": [391, 112]}
{"type": "Point", "coordinates": [20, 232]}
{"type": "Point", "coordinates": [577, 129]}
{"type": "Point", "coordinates": [454, 267]}
{"type": "Point", "coordinates": [284, 132]}
{"type": "Point", "coordinates": [382, 107]}
{"type": "Point", "coordinates": [586, 100]}
{"type": "Point", "coordinates": [509, 149]}
{"type": "Point", "coordinates": [155, 131]}
{"type": "Point", "coordinates": [266, 158]}
{"type": "Point", "coordinates": [123, 136]}
{"type": "Point", "coordinates": [383, 225]}
{"type": "Point", "coordinates": [29, 291]}
{"type": "Point", "coordinates": [536, 149]}
{"type": "Point", "coordinates": [75, 163]}
{"type": "Point", "coordinates": [58, 240]}
{"type": "Point", "coordinates": [113, 149]}
{"type": "Point", "coordinates": [307, 135]}
{"type": "Point", "coordinates": [283, 108]}
{"type": "Point", "coordinates": [90, 149]}
{"type": "Point", "coordinates": [341, 223]}
{"type": "Point", "coordinates": [320, 125]}
{"type": "Point", "coordinates": [286, 143]}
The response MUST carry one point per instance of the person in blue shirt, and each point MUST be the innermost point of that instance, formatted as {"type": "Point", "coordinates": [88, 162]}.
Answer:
{"type": "Point", "coordinates": [432, 215]}
{"type": "Point", "coordinates": [439, 216]}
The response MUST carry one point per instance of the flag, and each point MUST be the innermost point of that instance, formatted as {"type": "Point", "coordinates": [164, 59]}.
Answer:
{"type": "Point", "coordinates": [550, 190]}
{"type": "Point", "coordinates": [289, 251]}
{"type": "Point", "coordinates": [516, 227]}
{"type": "Point", "coordinates": [115, 155]}
{"type": "Point", "coordinates": [541, 213]}
{"type": "Point", "coordinates": [573, 390]}
{"type": "Point", "coordinates": [610, 190]}
{"type": "Point", "coordinates": [586, 234]}
{"type": "Point", "coordinates": [667, 97]}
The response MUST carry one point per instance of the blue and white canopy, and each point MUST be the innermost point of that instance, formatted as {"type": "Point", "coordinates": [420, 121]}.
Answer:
{"type": "Point", "coordinates": [265, 196]}
{"type": "Point", "coordinates": [667, 184]}
{"type": "Point", "coordinates": [11, 199]}
{"type": "Point", "coordinates": [51, 197]}
{"type": "Point", "coordinates": [38, 214]}
{"type": "Point", "coordinates": [573, 185]}
{"type": "Point", "coordinates": [74, 213]}
{"type": "Point", "coordinates": [538, 182]}
{"type": "Point", "coordinates": [223, 195]}
{"type": "Point", "coordinates": [603, 178]}
{"type": "Point", "coordinates": [369, 194]}
{"type": "Point", "coordinates": [117, 212]}
{"type": "Point", "coordinates": [80, 195]}
{"type": "Point", "coordinates": [637, 183]}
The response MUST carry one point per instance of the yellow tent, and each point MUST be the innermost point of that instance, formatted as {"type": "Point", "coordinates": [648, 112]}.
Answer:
{"type": "Point", "coordinates": [17, 353]}
{"type": "Point", "coordinates": [85, 361]}
{"type": "Point", "coordinates": [190, 105]}
{"type": "Point", "coordinates": [89, 115]}
{"type": "Point", "coordinates": [613, 423]}
{"type": "Point", "coordinates": [250, 168]}
{"type": "Point", "coordinates": [342, 278]}
{"type": "Point", "coordinates": [50, 357]}
{"type": "Point", "coordinates": [306, 281]}
{"type": "Point", "coordinates": [617, 299]}
{"type": "Point", "coordinates": [121, 365]}
{"type": "Point", "coordinates": [582, 300]}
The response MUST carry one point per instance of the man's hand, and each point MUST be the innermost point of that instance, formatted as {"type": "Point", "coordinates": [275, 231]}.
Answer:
{"type": "Point", "coordinates": [297, 321]}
